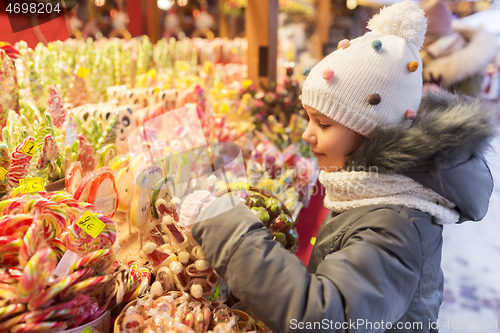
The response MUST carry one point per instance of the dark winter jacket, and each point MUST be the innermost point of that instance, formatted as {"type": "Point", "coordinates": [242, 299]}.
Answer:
{"type": "Point", "coordinates": [374, 267]}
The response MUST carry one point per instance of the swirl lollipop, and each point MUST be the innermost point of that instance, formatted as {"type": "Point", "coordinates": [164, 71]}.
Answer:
{"type": "Point", "coordinates": [79, 241]}
{"type": "Point", "coordinates": [56, 108]}
{"type": "Point", "coordinates": [20, 163]}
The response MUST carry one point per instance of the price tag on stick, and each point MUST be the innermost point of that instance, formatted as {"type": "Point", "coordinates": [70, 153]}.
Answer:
{"type": "Point", "coordinates": [29, 148]}
{"type": "Point", "coordinates": [29, 185]}
{"type": "Point", "coordinates": [90, 224]}
{"type": "Point", "coordinates": [3, 172]}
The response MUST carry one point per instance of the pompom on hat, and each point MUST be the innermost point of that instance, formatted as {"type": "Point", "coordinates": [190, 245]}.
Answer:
{"type": "Point", "coordinates": [377, 78]}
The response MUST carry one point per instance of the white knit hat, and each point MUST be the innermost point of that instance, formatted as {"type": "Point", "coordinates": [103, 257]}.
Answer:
{"type": "Point", "coordinates": [375, 79]}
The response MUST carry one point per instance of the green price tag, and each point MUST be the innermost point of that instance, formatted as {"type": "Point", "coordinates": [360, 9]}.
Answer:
{"type": "Point", "coordinates": [29, 148]}
{"type": "Point", "coordinates": [29, 185]}
{"type": "Point", "coordinates": [240, 187]}
{"type": "Point", "coordinates": [87, 330]}
{"type": "Point", "coordinates": [313, 240]}
{"type": "Point", "coordinates": [3, 172]}
{"type": "Point", "coordinates": [90, 224]}
{"type": "Point", "coordinates": [83, 72]}
{"type": "Point", "coordinates": [214, 295]}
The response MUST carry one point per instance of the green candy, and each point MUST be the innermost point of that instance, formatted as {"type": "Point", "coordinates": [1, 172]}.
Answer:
{"type": "Point", "coordinates": [274, 207]}
{"type": "Point", "coordinates": [263, 215]}
{"type": "Point", "coordinates": [280, 237]}
{"type": "Point", "coordinates": [255, 201]}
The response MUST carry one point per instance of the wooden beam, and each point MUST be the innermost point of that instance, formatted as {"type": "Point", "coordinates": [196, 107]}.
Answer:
{"type": "Point", "coordinates": [153, 21]}
{"type": "Point", "coordinates": [261, 29]}
{"type": "Point", "coordinates": [323, 10]}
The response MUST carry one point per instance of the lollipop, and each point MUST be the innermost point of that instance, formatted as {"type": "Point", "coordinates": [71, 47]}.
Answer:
{"type": "Point", "coordinates": [11, 310]}
{"type": "Point", "coordinates": [15, 225]}
{"type": "Point", "coordinates": [86, 155]}
{"type": "Point", "coordinates": [52, 215]}
{"type": "Point", "coordinates": [99, 261]}
{"type": "Point", "coordinates": [20, 163]}
{"type": "Point", "coordinates": [74, 175]}
{"type": "Point", "coordinates": [50, 152]}
{"type": "Point", "coordinates": [56, 108]}
{"type": "Point", "coordinates": [31, 242]}
{"type": "Point", "coordinates": [49, 326]}
{"type": "Point", "coordinates": [86, 286]}
{"type": "Point", "coordinates": [59, 287]}
{"type": "Point", "coordinates": [36, 274]}
{"type": "Point", "coordinates": [9, 247]}
{"type": "Point", "coordinates": [58, 246]}
{"type": "Point", "coordinates": [79, 241]}
{"type": "Point", "coordinates": [45, 128]}
{"type": "Point", "coordinates": [44, 315]}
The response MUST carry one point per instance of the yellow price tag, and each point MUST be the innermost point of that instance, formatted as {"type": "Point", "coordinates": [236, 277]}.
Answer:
{"type": "Point", "coordinates": [247, 83]}
{"type": "Point", "coordinates": [313, 240]}
{"type": "Point", "coordinates": [152, 73]}
{"type": "Point", "coordinates": [240, 187]}
{"type": "Point", "coordinates": [83, 72]}
{"type": "Point", "coordinates": [3, 172]}
{"type": "Point", "coordinates": [87, 330]}
{"type": "Point", "coordinates": [214, 295]}
{"type": "Point", "coordinates": [90, 224]}
{"type": "Point", "coordinates": [29, 148]}
{"type": "Point", "coordinates": [29, 185]}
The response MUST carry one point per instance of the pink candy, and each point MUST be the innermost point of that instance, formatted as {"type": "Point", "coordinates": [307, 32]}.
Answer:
{"type": "Point", "coordinates": [56, 108]}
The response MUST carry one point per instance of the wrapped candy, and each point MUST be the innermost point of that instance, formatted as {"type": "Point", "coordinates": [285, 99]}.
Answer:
{"type": "Point", "coordinates": [50, 152]}
{"type": "Point", "coordinates": [20, 164]}
{"type": "Point", "coordinates": [44, 128]}
{"type": "Point", "coordinates": [55, 107]}
{"type": "Point", "coordinates": [86, 155]}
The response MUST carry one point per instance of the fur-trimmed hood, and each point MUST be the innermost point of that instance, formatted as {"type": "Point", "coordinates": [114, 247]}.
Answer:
{"type": "Point", "coordinates": [479, 51]}
{"type": "Point", "coordinates": [442, 149]}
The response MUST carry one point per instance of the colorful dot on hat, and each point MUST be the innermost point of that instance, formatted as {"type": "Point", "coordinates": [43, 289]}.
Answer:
{"type": "Point", "coordinates": [413, 66]}
{"type": "Point", "coordinates": [306, 71]}
{"type": "Point", "coordinates": [344, 43]}
{"type": "Point", "coordinates": [377, 45]}
{"type": "Point", "coordinates": [410, 114]}
{"type": "Point", "coordinates": [374, 99]}
{"type": "Point", "coordinates": [328, 74]}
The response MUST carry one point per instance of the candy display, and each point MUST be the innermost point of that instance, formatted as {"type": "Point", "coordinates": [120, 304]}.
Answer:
{"type": "Point", "coordinates": [135, 141]}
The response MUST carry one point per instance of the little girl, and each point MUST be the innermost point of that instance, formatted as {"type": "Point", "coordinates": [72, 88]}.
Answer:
{"type": "Point", "coordinates": [393, 176]}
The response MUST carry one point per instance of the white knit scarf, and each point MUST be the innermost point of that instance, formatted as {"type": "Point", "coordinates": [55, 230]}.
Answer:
{"type": "Point", "coordinates": [348, 190]}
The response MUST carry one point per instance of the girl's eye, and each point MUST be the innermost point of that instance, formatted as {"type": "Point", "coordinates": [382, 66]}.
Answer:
{"type": "Point", "coordinates": [323, 126]}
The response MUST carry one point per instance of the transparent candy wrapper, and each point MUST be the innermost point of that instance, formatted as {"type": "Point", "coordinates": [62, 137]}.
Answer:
{"type": "Point", "coordinates": [179, 177]}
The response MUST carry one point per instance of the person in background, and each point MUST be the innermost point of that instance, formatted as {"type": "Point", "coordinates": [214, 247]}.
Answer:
{"type": "Point", "coordinates": [454, 55]}
{"type": "Point", "coordinates": [396, 167]}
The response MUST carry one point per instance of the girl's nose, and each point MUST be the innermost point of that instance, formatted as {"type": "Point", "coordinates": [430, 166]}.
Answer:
{"type": "Point", "coordinates": [308, 135]}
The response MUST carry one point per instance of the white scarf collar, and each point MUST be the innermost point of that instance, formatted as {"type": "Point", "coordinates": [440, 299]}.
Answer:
{"type": "Point", "coordinates": [348, 190]}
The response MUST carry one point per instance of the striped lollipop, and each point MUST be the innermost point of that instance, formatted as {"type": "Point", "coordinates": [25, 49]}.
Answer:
{"type": "Point", "coordinates": [36, 274]}
{"type": "Point", "coordinates": [99, 261]}
{"type": "Point", "coordinates": [45, 296]}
